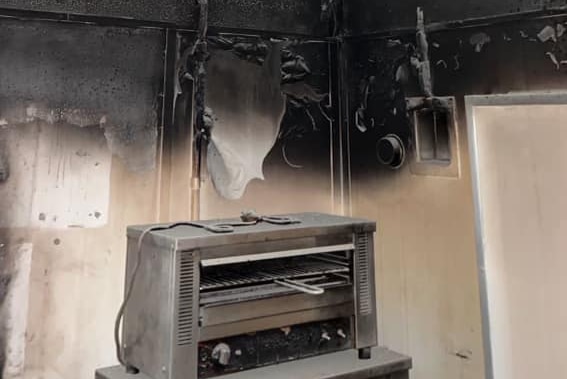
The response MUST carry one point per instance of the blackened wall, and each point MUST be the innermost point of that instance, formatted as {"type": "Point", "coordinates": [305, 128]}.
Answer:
{"type": "Point", "coordinates": [369, 16]}
{"type": "Point", "coordinates": [84, 84]}
{"type": "Point", "coordinates": [299, 155]}
{"type": "Point", "coordinates": [85, 75]}
{"type": "Point", "coordinates": [72, 95]}
{"type": "Point", "coordinates": [81, 129]}
{"type": "Point", "coordinates": [426, 251]}
{"type": "Point", "coordinates": [291, 16]}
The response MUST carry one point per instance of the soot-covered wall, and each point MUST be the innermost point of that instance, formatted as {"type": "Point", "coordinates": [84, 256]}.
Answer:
{"type": "Point", "coordinates": [283, 16]}
{"type": "Point", "coordinates": [78, 106]}
{"type": "Point", "coordinates": [273, 121]}
{"type": "Point", "coordinates": [368, 16]}
{"type": "Point", "coordinates": [426, 254]}
{"type": "Point", "coordinates": [91, 140]}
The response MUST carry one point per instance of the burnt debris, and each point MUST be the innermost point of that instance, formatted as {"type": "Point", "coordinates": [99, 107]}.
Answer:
{"type": "Point", "coordinates": [303, 74]}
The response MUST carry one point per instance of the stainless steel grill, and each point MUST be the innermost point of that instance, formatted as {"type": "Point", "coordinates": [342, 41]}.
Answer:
{"type": "Point", "coordinates": [206, 303]}
{"type": "Point", "coordinates": [269, 271]}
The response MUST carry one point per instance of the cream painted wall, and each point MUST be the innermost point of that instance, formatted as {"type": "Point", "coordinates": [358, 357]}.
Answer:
{"type": "Point", "coordinates": [426, 268]}
{"type": "Point", "coordinates": [425, 262]}
{"type": "Point", "coordinates": [77, 270]}
{"type": "Point", "coordinates": [521, 156]}
{"type": "Point", "coordinates": [77, 284]}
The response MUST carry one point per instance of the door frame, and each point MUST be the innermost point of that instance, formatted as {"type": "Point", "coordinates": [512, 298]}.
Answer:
{"type": "Point", "coordinates": [472, 101]}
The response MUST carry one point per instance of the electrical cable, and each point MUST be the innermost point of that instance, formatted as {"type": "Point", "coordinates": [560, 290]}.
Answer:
{"type": "Point", "coordinates": [247, 219]}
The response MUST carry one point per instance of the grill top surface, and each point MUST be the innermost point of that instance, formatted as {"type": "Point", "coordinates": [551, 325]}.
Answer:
{"type": "Point", "coordinates": [311, 224]}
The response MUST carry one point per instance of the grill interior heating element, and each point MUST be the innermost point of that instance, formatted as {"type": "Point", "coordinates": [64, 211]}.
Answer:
{"type": "Point", "coordinates": [266, 271]}
{"type": "Point", "coordinates": [205, 304]}
{"type": "Point", "coordinates": [275, 277]}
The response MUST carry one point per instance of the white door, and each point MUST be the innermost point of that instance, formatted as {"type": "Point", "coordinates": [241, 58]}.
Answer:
{"type": "Point", "coordinates": [519, 160]}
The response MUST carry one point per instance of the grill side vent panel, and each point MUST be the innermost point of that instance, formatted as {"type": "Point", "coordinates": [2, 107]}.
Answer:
{"type": "Point", "coordinates": [185, 298]}
{"type": "Point", "coordinates": [365, 292]}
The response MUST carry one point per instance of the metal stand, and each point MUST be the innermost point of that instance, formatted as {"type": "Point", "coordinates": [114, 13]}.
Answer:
{"type": "Point", "coordinates": [383, 364]}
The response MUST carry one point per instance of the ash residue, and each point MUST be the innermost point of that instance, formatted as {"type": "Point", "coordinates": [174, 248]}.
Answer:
{"type": "Point", "coordinates": [307, 122]}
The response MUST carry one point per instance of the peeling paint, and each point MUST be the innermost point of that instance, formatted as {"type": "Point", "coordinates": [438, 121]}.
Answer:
{"type": "Point", "coordinates": [457, 62]}
{"type": "Point", "coordinates": [306, 105]}
{"type": "Point", "coordinates": [286, 159]}
{"type": "Point", "coordinates": [560, 30]}
{"type": "Point", "coordinates": [249, 106]}
{"type": "Point", "coordinates": [394, 42]}
{"type": "Point", "coordinates": [553, 59]}
{"type": "Point", "coordinates": [547, 33]}
{"type": "Point", "coordinates": [421, 61]}
{"type": "Point", "coordinates": [294, 67]}
{"type": "Point", "coordinates": [358, 120]}
{"type": "Point", "coordinates": [360, 116]}
{"type": "Point", "coordinates": [136, 146]}
{"type": "Point", "coordinates": [442, 63]}
{"type": "Point", "coordinates": [401, 74]}
{"type": "Point", "coordinates": [479, 40]}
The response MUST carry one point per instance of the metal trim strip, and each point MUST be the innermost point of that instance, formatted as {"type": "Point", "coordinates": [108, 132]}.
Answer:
{"type": "Point", "coordinates": [276, 254]}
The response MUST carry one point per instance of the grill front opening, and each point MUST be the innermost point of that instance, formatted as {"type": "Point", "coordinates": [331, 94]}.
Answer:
{"type": "Point", "coordinates": [251, 280]}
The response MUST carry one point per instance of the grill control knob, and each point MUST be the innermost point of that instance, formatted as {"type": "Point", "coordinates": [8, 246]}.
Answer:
{"type": "Point", "coordinates": [221, 354]}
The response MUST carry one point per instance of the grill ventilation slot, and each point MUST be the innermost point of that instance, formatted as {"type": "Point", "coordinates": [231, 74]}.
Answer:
{"type": "Point", "coordinates": [362, 251]}
{"type": "Point", "coordinates": [185, 310]}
